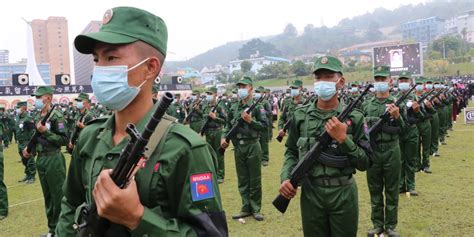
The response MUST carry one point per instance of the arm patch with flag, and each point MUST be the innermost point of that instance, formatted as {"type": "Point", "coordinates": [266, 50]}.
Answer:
{"type": "Point", "coordinates": [201, 186]}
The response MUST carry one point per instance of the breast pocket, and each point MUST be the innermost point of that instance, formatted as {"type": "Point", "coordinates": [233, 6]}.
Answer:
{"type": "Point", "coordinates": [304, 145]}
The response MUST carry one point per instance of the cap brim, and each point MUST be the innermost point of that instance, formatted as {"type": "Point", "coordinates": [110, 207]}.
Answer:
{"type": "Point", "coordinates": [85, 43]}
{"type": "Point", "coordinates": [327, 68]}
{"type": "Point", "coordinates": [381, 75]}
{"type": "Point", "coordinates": [243, 83]}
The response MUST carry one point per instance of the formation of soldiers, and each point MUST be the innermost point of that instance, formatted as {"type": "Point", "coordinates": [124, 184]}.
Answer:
{"type": "Point", "coordinates": [391, 133]}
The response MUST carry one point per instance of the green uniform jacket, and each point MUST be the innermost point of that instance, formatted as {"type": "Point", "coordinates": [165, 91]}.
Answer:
{"type": "Point", "coordinates": [220, 113]}
{"type": "Point", "coordinates": [247, 131]}
{"type": "Point", "coordinates": [308, 125]}
{"type": "Point", "coordinates": [374, 108]}
{"type": "Point", "coordinates": [180, 193]}
{"type": "Point", "coordinates": [177, 110]}
{"type": "Point", "coordinates": [55, 136]}
{"type": "Point", "coordinates": [25, 128]}
{"type": "Point", "coordinates": [288, 109]}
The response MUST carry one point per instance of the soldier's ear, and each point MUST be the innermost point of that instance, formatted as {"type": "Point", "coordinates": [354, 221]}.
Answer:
{"type": "Point", "coordinates": [341, 82]}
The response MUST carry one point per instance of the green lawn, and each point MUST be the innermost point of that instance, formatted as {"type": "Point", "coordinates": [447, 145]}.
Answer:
{"type": "Point", "coordinates": [444, 207]}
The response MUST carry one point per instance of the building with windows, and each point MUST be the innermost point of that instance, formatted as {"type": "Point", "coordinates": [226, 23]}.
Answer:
{"type": "Point", "coordinates": [4, 56]}
{"type": "Point", "coordinates": [462, 25]}
{"type": "Point", "coordinates": [51, 45]}
{"type": "Point", "coordinates": [84, 63]}
{"type": "Point", "coordinates": [257, 63]}
{"type": "Point", "coordinates": [7, 70]}
{"type": "Point", "coordinates": [423, 30]}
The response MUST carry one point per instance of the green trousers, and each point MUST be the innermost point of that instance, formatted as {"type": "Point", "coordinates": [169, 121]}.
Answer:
{"type": "Point", "coordinates": [409, 157]}
{"type": "Point", "coordinates": [249, 175]}
{"type": "Point", "coordinates": [383, 179]}
{"type": "Point", "coordinates": [196, 125]}
{"type": "Point", "coordinates": [442, 123]}
{"type": "Point", "coordinates": [30, 164]}
{"type": "Point", "coordinates": [329, 211]}
{"type": "Point", "coordinates": [52, 173]}
{"type": "Point", "coordinates": [264, 146]}
{"type": "Point", "coordinates": [450, 116]}
{"type": "Point", "coordinates": [213, 138]}
{"type": "Point", "coordinates": [3, 188]}
{"type": "Point", "coordinates": [434, 133]}
{"type": "Point", "coordinates": [424, 147]}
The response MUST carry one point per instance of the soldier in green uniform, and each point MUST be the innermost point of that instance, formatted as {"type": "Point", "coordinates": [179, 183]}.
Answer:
{"type": "Point", "coordinates": [425, 128]}
{"type": "Point", "coordinates": [259, 92]}
{"type": "Point", "coordinates": [195, 115]}
{"type": "Point", "coordinates": [247, 150]}
{"type": "Point", "coordinates": [3, 187]}
{"type": "Point", "coordinates": [5, 119]}
{"type": "Point", "coordinates": [290, 106]}
{"type": "Point", "coordinates": [69, 116]}
{"type": "Point", "coordinates": [384, 176]}
{"type": "Point", "coordinates": [443, 113]}
{"type": "Point", "coordinates": [269, 99]}
{"type": "Point", "coordinates": [50, 162]}
{"type": "Point", "coordinates": [176, 109]}
{"type": "Point", "coordinates": [435, 123]}
{"type": "Point", "coordinates": [175, 193]}
{"type": "Point", "coordinates": [214, 128]}
{"type": "Point", "coordinates": [329, 201]}
{"type": "Point", "coordinates": [409, 137]}
{"type": "Point", "coordinates": [83, 116]}
{"type": "Point", "coordinates": [25, 128]}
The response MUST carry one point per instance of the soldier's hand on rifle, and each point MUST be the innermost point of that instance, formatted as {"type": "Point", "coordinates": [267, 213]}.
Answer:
{"type": "Point", "coordinates": [121, 206]}
{"type": "Point", "coordinates": [436, 100]}
{"type": "Point", "coordinates": [26, 154]}
{"type": "Point", "coordinates": [224, 144]}
{"type": "Point", "coordinates": [246, 117]}
{"type": "Point", "coordinates": [287, 190]}
{"type": "Point", "coordinates": [415, 106]}
{"type": "Point", "coordinates": [41, 128]}
{"type": "Point", "coordinates": [80, 125]}
{"type": "Point", "coordinates": [212, 115]}
{"type": "Point", "coordinates": [70, 146]}
{"type": "Point", "coordinates": [336, 129]}
{"type": "Point", "coordinates": [428, 104]}
{"type": "Point", "coordinates": [281, 133]}
{"type": "Point", "coordinates": [394, 111]}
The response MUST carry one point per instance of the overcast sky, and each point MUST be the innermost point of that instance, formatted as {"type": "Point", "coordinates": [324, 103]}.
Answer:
{"type": "Point", "coordinates": [193, 26]}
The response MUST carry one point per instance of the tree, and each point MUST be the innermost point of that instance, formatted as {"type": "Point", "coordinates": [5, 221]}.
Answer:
{"type": "Point", "coordinates": [373, 33]}
{"type": "Point", "coordinates": [447, 44]}
{"type": "Point", "coordinates": [290, 31]}
{"type": "Point", "coordinates": [257, 45]}
{"type": "Point", "coordinates": [299, 68]}
{"type": "Point", "coordinates": [245, 66]}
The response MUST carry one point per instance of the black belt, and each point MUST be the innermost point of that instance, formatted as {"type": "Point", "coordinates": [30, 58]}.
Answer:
{"type": "Point", "coordinates": [246, 141]}
{"type": "Point", "coordinates": [333, 181]}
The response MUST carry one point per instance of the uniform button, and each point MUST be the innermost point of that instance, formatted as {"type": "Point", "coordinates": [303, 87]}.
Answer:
{"type": "Point", "coordinates": [109, 157]}
{"type": "Point", "coordinates": [145, 235]}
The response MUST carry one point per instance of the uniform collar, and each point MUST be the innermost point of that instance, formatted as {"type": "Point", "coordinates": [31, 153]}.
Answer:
{"type": "Point", "coordinates": [313, 110]}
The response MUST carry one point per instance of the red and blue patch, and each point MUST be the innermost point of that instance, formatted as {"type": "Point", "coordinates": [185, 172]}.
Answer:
{"type": "Point", "coordinates": [201, 186]}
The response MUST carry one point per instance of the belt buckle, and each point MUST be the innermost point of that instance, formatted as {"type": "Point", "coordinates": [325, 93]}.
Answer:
{"type": "Point", "coordinates": [326, 181]}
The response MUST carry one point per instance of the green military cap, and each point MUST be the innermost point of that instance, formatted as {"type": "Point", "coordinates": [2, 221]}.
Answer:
{"type": "Point", "coordinates": [245, 81]}
{"type": "Point", "coordinates": [328, 62]}
{"type": "Point", "coordinates": [125, 25]}
{"type": "Point", "coordinates": [155, 89]}
{"type": "Point", "coordinates": [419, 80]}
{"type": "Point", "coordinates": [260, 89]}
{"type": "Point", "coordinates": [268, 90]}
{"type": "Point", "coordinates": [195, 92]}
{"type": "Point", "coordinates": [405, 75]}
{"type": "Point", "coordinates": [296, 84]}
{"type": "Point", "coordinates": [234, 91]}
{"type": "Point", "coordinates": [21, 103]}
{"type": "Point", "coordinates": [355, 83]}
{"type": "Point", "coordinates": [212, 90]}
{"type": "Point", "coordinates": [82, 96]}
{"type": "Point", "coordinates": [177, 95]}
{"type": "Point", "coordinates": [43, 90]}
{"type": "Point", "coordinates": [428, 80]}
{"type": "Point", "coordinates": [382, 71]}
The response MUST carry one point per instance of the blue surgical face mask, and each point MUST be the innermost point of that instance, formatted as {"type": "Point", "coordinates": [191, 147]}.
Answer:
{"type": "Point", "coordinates": [294, 92]}
{"type": "Point", "coordinates": [193, 97]}
{"type": "Point", "coordinates": [325, 90]}
{"type": "Point", "coordinates": [354, 89]}
{"type": "Point", "coordinates": [437, 86]}
{"type": "Point", "coordinates": [419, 87]}
{"type": "Point", "coordinates": [404, 86]}
{"type": "Point", "coordinates": [243, 93]}
{"type": "Point", "coordinates": [80, 105]}
{"type": "Point", "coordinates": [110, 86]}
{"type": "Point", "coordinates": [257, 95]}
{"type": "Point", "coordinates": [381, 86]}
{"type": "Point", "coordinates": [429, 86]}
{"type": "Point", "coordinates": [39, 104]}
{"type": "Point", "coordinates": [209, 98]}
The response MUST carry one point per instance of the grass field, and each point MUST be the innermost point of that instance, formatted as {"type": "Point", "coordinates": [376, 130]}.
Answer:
{"type": "Point", "coordinates": [444, 207]}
